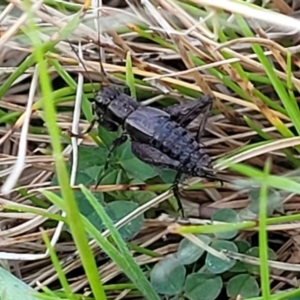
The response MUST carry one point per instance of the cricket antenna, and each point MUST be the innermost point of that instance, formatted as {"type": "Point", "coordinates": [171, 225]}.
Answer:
{"type": "Point", "coordinates": [100, 49]}
{"type": "Point", "coordinates": [83, 65]}
{"type": "Point", "coordinates": [94, 92]}
{"type": "Point", "coordinates": [107, 79]}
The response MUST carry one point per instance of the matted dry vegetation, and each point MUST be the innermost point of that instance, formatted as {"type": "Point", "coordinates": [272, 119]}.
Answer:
{"type": "Point", "coordinates": [176, 48]}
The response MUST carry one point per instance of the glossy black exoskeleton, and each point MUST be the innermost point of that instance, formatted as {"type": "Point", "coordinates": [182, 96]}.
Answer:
{"type": "Point", "coordinates": [159, 137]}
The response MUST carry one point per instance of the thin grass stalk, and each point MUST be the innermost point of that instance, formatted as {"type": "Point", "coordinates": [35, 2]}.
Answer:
{"type": "Point", "coordinates": [72, 211]}
{"type": "Point", "coordinates": [263, 236]}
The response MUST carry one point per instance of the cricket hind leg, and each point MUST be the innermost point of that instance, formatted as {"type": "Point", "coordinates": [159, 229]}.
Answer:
{"type": "Point", "coordinates": [208, 101]}
{"type": "Point", "coordinates": [176, 192]}
{"type": "Point", "coordinates": [213, 177]}
{"type": "Point", "coordinates": [185, 113]}
{"type": "Point", "coordinates": [154, 157]}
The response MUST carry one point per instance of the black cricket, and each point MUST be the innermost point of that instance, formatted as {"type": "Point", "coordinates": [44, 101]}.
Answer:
{"type": "Point", "coordinates": [159, 136]}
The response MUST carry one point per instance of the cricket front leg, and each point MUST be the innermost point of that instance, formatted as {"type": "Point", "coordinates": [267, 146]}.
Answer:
{"type": "Point", "coordinates": [115, 144]}
{"type": "Point", "coordinates": [82, 134]}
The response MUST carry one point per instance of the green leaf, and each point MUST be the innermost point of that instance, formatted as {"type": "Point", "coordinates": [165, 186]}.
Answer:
{"type": "Point", "coordinates": [168, 275]}
{"type": "Point", "coordinates": [11, 287]}
{"type": "Point", "coordinates": [202, 286]}
{"type": "Point", "coordinates": [111, 176]}
{"type": "Point", "coordinates": [254, 251]}
{"type": "Point", "coordinates": [229, 216]}
{"type": "Point", "coordinates": [106, 136]}
{"type": "Point", "coordinates": [84, 206]}
{"type": "Point", "coordinates": [96, 157]}
{"type": "Point", "coordinates": [167, 175]}
{"type": "Point", "coordinates": [141, 197]}
{"type": "Point", "coordinates": [243, 285]}
{"type": "Point", "coordinates": [91, 156]}
{"type": "Point", "coordinates": [90, 164]}
{"type": "Point", "coordinates": [89, 176]}
{"type": "Point", "coordinates": [243, 246]}
{"type": "Point", "coordinates": [87, 210]}
{"type": "Point", "coordinates": [188, 252]}
{"type": "Point", "coordinates": [132, 165]}
{"type": "Point", "coordinates": [117, 210]}
{"type": "Point", "coordinates": [274, 203]}
{"type": "Point", "coordinates": [294, 298]}
{"type": "Point", "coordinates": [216, 265]}
{"type": "Point", "coordinates": [176, 297]}
{"type": "Point", "coordinates": [119, 254]}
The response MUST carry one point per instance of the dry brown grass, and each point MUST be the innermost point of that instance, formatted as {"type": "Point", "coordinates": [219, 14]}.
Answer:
{"type": "Point", "coordinates": [160, 65]}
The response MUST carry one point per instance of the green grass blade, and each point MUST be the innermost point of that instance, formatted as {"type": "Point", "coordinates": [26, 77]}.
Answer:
{"type": "Point", "coordinates": [72, 212]}
{"type": "Point", "coordinates": [46, 46]}
{"type": "Point", "coordinates": [86, 106]}
{"type": "Point", "coordinates": [80, 238]}
{"type": "Point", "coordinates": [56, 264]}
{"type": "Point", "coordinates": [266, 136]}
{"type": "Point", "coordinates": [277, 182]}
{"type": "Point", "coordinates": [130, 76]}
{"type": "Point", "coordinates": [36, 211]}
{"type": "Point", "coordinates": [133, 270]}
{"type": "Point", "coordinates": [263, 236]}
{"type": "Point", "coordinates": [123, 260]}
{"type": "Point", "coordinates": [289, 103]}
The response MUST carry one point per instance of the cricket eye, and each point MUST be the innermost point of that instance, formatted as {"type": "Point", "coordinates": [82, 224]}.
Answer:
{"type": "Point", "coordinates": [103, 99]}
{"type": "Point", "coordinates": [98, 97]}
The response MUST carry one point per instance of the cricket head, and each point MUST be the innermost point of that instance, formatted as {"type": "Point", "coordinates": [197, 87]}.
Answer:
{"type": "Point", "coordinates": [101, 103]}
{"type": "Point", "coordinates": [103, 99]}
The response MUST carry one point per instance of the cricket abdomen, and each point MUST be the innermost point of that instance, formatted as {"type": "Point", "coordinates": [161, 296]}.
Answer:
{"type": "Point", "coordinates": [176, 142]}
{"type": "Point", "coordinates": [153, 127]}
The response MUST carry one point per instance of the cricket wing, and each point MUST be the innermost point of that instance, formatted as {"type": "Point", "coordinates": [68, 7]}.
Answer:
{"type": "Point", "coordinates": [153, 157]}
{"type": "Point", "coordinates": [187, 112]}
{"type": "Point", "coordinates": [144, 122]}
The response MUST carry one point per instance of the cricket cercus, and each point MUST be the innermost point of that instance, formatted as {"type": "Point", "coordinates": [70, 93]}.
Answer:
{"type": "Point", "coordinates": [159, 136]}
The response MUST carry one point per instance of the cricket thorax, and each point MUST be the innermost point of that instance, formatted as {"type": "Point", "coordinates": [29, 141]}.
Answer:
{"type": "Point", "coordinates": [121, 107]}
{"type": "Point", "coordinates": [114, 105]}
